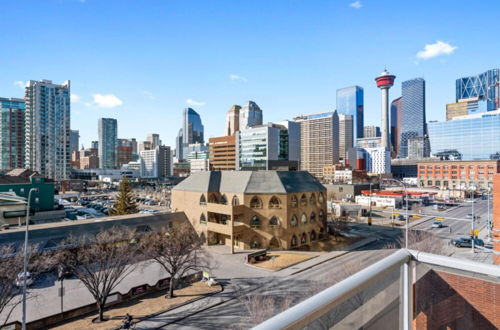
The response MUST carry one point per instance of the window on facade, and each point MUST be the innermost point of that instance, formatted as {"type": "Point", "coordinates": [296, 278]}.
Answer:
{"type": "Point", "coordinates": [313, 236]}
{"type": "Point", "coordinates": [274, 221]}
{"type": "Point", "coordinates": [255, 222]}
{"type": "Point", "coordinates": [212, 199]}
{"type": "Point", "coordinates": [303, 238]}
{"type": "Point", "coordinates": [313, 217]}
{"type": "Point", "coordinates": [235, 201]}
{"type": "Point", "coordinates": [255, 203]}
{"type": "Point", "coordinates": [203, 219]}
{"type": "Point", "coordinates": [303, 219]}
{"type": "Point", "coordinates": [321, 199]}
{"type": "Point", "coordinates": [274, 203]}
{"type": "Point", "coordinates": [429, 182]}
{"type": "Point", "coordinates": [223, 199]}
{"type": "Point", "coordinates": [293, 201]}
{"type": "Point", "coordinates": [312, 199]}
{"type": "Point", "coordinates": [294, 241]}
{"type": "Point", "coordinates": [293, 221]}
{"type": "Point", "coordinates": [203, 200]}
{"type": "Point", "coordinates": [321, 216]}
{"type": "Point", "coordinates": [303, 200]}
{"type": "Point", "coordinates": [321, 233]}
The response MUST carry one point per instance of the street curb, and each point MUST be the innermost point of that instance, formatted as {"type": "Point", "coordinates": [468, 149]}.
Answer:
{"type": "Point", "coordinates": [365, 241]}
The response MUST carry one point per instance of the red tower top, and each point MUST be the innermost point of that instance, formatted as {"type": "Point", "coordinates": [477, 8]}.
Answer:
{"type": "Point", "coordinates": [385, 80]}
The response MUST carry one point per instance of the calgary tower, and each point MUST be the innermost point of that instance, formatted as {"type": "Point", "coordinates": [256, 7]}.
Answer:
{"type": "Point", "coordinates": [384, 82]}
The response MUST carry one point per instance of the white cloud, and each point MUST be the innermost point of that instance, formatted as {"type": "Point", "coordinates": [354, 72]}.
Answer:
{"type": "Point", "coordinates": [75, 98]}
{"type": "Point", "coordinates": [436, 49]}
{"type": "Point", "coordinates": [107, 100]}
{"type": "Point", "coordinates": [356, 4]}
{"type": "Point", "coordinates": [19, 83]}
{"type": "Point", "coordinates": [237, 77]}
{"type": "Point", "coordinates": [193, 102]}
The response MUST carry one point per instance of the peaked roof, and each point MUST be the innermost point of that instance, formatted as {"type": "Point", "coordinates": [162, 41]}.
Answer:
{"type": "Point", "coordinates": [251, 182]}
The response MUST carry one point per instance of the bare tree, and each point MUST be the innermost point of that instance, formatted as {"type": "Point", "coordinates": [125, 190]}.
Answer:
{"type": "Point", "coordinates": [178, 250]}
{"type": "Point", "coordinates": [262, 307]}
{"type": "Point", "coordinates": [101, 262]}
{"type": "Point", "coordinates": [11, 264]}
{"type": "Point", "coordinates": [338, 225]}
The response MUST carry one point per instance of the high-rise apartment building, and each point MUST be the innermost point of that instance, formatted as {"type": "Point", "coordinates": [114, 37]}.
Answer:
{"type": "Point", "coordinates": [232, 120]}
{"type": "Point", "coordinates": [350, 101]}
{"type": "Point", "coordinates": [74, 140]}
{"type": "Point", "coordinates": [108, 132]}
{"type": "Point", "coordinates": [395, 115]}
{"type": "Point", "coordinates": [371, 131]}
{"type": "Point", "coordinates": [123, 152]}
{"type": "Point", "coordinates": [268, 147]}
{"type": "Point", "coordinates": [47, 129]}
{"type": "Point", "coordinates": [484, 87]}
{"type": "Point", "coordinates": [345, 134]}
{"type": "Point", "coordinates": [154, 139]}
{"type": "Point", "coordinates": [156, 163]}
{"type": "Point", "coordinates": [12, 113]}
{"type": "Point", "coordinates": [250, 115]}
{"type": "Point", "coordinates": [377, 160]}
{"type": "Point", "coordinates": [164, 161]}
{"type": "Point", "coordinates": [222, 153]}
{"type": "Point", "coordinates": [413, 122]}
{"type": "Point", "coordinates": [319, 146]}
{"type": "Point", "coordinates": [144, 145]}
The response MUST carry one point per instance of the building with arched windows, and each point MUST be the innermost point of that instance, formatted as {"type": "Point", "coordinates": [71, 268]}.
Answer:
{"type": "Point", "coordinates": [253, 210]}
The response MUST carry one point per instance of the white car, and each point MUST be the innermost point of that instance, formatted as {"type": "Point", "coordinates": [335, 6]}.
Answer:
{"type": "Point", "coordinates": [20, 279]}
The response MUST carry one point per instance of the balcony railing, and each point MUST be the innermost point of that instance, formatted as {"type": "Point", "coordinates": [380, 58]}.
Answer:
{"type": "Point", "coordinates": [382, 295]}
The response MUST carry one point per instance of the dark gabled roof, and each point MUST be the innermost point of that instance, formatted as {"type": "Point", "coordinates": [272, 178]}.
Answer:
{"type": "Point", "coordinates": [251, 182]}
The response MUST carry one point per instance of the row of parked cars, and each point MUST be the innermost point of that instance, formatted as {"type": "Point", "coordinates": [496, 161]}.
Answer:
{"type": "Point", "coordinates": [85, 209]}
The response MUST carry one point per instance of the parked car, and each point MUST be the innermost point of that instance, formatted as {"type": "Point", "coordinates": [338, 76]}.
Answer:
{"type": "Point", "coordinates": [466, 242]}
{"type": "Point", "coordinates": [437, 224]}
{"type": "Point", "coordinates": [20, 279]}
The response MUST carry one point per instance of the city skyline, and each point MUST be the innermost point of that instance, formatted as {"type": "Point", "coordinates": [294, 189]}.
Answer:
{"type": "Point", "coordinates": [262, 74]}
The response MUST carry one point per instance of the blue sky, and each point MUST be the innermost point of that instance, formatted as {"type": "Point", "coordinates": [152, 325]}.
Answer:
{"type": "Point", "coordinates": [143, 61]}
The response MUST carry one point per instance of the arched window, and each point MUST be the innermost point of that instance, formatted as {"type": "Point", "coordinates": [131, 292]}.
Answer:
{"type": "Point", "coordinates": [303, 238]}
{"type": "Point", "coordinates": [313, 217]}
{"type": "Point", "coordinates": [294, 222]}
{"type": "Point", "coordinates": [321, 216]}
{"type": "Point", "coordinates": [235, 201]}
{"type": "Point", "coordinates": [303, 219]}
{"type": "Point", "coordinates": [274, 203]}
{"type": "Point", "coordinates": [321, 233]}
{"type": "Point", "coordinates": [274, 221]}
{"type": "Point", "coordinates": [223, 199]}
{"type": "Point", "coordinates": [294, 241]}
{"type": "Point", "coordinates": [293, 201]}
{"type": "Point", "coordinates": [203, 219]}
{"type": "Point", "coordinates": [203, 200]}
{"type": "Point", "coordinates": [303, 200]}
{"type": "Point", "coordinates": [255, 222]}
{"type": "Point", "coordinates": [212, 198]}
{"type": "Point", "coordinates": [321, 198]}
{"type": "Point", "coordinates": [255, 203]}
{"type": "Point", "coordinates": [312, 199]}
{"type": "Point", "coordinates": [313, 236]}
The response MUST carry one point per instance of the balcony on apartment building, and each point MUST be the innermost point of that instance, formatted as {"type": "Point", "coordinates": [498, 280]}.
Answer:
{"type": "Point", "coordinates": [406, 290]}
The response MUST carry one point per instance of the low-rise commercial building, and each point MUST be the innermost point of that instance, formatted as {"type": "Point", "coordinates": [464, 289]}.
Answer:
{"type": "Point", "coordinates": [254, 209]}
{"type": "Point", "coordinates": [457, 174]}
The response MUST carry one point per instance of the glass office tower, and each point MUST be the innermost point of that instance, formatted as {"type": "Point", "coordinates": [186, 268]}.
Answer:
{"type": "Point", "coordinates": [12, 133]}
{"type": "Point", "coordinates": [474, 136]}
{"type": "Point", "coordinates": [485, 87]}
{"type": "Point", "coordinates": [412, 113]}
{"type": "Point", "coordinates": [108, 132]}
{"type": "Point", "coordinates": [350, 102]}
{"type": "Point", "coordinates": [192, 131]}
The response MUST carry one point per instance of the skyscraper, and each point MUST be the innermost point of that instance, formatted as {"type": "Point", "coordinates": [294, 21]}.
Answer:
{"type": "Point", "coordinates": [74, 140]}
{"type": "Point", "coordinates": [319, 141]}
{"type": "Point", "coordinates": [47, 129]}
{"type": "Point", "coordinates": [345, 134]}
{"type": "Point", "coordinates": [350, 101]}
{"type": "Point", "coordinates": [12, 137]}
{"type": "Point", "coordinates": [108, 131]}
{"type": "Point", "coordinates": [191, 132]}
{"type": "Point", "coordinates": [154, 139]}
{"type": "Point", "coordinates": [232, 120]}
{"type": "Point", "coordinates": [484, 87]}
{"type": "Point", "coordinates": [179, 147]}
{"type": "Point", "coordinates": [250, 115]}
{"type": "Point", "coordinates": [395, 125]}
{"type": "Point", "coordinates": [372, 131]}
{"type": "Point", "coordinates": [412, 113]}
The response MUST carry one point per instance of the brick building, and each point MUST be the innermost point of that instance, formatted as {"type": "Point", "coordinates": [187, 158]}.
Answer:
{"type": "Point", "coordinates": [457, 174]}
{"type": "Point", "coordinates": [222, 153]}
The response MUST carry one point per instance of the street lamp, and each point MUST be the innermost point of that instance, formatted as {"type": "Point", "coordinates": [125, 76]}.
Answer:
{"type": "Point", "coordinates": [473, 238]}
{"type": "Point", "coordinates": [488, 220]}
{"type": "Point", "coordinates": [406, 211]}
{"type": "Point", "coordinates": [25, 265]}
